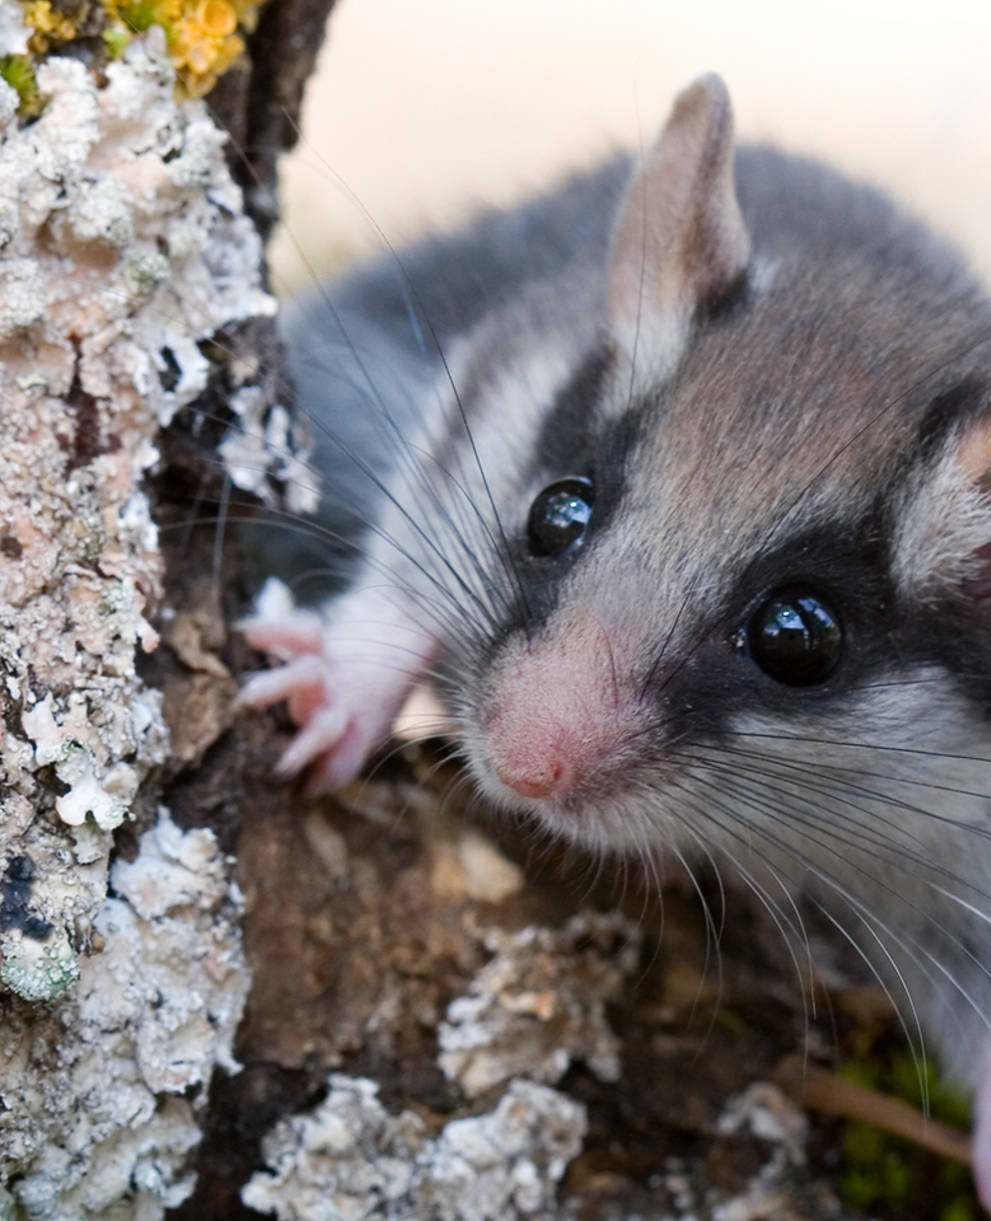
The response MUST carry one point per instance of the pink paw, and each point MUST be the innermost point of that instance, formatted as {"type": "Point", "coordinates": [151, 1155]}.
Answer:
{"type": "Point", "coordinates": [341, 687]}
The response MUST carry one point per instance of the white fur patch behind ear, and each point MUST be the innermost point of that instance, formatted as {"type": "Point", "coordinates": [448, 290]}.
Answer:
{"type": "Point", "coordinates": [681, 241]}
{"type": "Point", "coordinates": [974, 452]}
{"type": "Point", "coordinates": [943, 521]}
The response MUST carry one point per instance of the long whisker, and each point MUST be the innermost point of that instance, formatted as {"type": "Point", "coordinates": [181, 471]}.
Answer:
{"type": "Point", "coordinates": [912, 1032]}
{"type": "Point", "coordinates": [860, 832]}
{"type": "Point", "coordinates": [786, 925]}
{"type": "Point", "coordinates": [753, 796]}
{"type": "Point", "coordinates": [414, 301]}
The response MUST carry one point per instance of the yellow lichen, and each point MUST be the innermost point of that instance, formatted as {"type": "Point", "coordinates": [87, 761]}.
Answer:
{"type": "Point", "coordinates": [217, 18]}
{"type": "Point", "coordinates": [202, 35]}
{"type": "Point", "coordinates": [47, 25]}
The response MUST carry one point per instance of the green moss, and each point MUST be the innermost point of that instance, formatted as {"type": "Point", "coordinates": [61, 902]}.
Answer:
{"type": "Point", "coordinates": [884, 1174]}
{"type": "Point", "coordinates": [863, 1143]}
{"type": "Point", "coordinates": [18, 72]}
{"type": "Point", "coordinates": [116, 39]}
{"type": "Point", "coordinates": [139, 16]}
{"type": "Point", "coordinates": [860, 1072]}
{"type": "Point", "coordinates": [917, 1083]}
{"type": "Point", "coordinates": [959, 1210]}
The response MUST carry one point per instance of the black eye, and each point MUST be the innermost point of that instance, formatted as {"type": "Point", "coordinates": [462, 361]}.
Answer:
{"type": "Point", "coordinates": [560, 515]}
{"type": "Point", "coordinates": [796, 637]}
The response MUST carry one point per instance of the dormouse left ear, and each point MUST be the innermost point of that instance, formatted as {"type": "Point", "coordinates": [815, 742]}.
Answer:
{"type": "Point", "coordinates": [942, 538]}
{"type": "Point", "coordinates": [680, 243]}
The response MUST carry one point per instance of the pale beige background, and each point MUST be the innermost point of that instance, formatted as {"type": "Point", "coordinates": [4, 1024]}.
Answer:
{"type": "Point", "coordinates": [423, 107]}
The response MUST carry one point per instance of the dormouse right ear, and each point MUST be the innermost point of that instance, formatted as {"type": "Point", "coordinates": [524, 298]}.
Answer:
{"type": "Point", "coordinates": [942, 539]}
{"type": "Point", "coordinates": [681, 243]}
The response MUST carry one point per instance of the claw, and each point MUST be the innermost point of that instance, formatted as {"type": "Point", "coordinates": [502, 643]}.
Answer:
{"type": "Point", "coordinates": [321, 736]}
{"type": "Point", "coordinates": [334, 770]}
{"type": "Point", "coordinates": [299, 632]}
{"type": "Point", "coordinates": [270, 686]}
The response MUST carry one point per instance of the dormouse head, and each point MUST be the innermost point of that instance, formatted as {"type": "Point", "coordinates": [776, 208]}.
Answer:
{"type": "Point", "coordinates": [743, 516]}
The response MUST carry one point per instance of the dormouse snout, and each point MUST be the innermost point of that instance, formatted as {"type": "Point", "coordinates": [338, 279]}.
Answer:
{"type": "Point", "coordinates": [561, 714]}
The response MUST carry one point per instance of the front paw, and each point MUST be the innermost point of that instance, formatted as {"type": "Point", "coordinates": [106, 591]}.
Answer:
{"type": "Point", "coordinates": [344, 679]}
{"type": "Point", "coordinates": [344, 710]}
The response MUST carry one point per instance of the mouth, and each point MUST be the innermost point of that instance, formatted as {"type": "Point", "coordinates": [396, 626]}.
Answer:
{"type": "Point", "coordinates": [602, 806]}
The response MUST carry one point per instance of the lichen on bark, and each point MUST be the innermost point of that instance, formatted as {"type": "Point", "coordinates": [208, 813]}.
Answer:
{"type": "Point", "coordinates": [124, 247]}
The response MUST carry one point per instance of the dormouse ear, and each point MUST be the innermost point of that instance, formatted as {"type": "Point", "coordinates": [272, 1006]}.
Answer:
{"type": "Point", "coordinates": [681, 242]}
{"type": "Point", "coordinates": [942, 540]}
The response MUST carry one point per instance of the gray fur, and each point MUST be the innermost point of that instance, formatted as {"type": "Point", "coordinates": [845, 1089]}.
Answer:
{"type": "Point", "coordinates": [370, 347]}
{"type": "Point", "coordinates": [804, 410]}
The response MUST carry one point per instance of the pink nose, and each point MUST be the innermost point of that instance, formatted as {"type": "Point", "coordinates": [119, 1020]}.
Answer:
{"type": "Point", "coordinates": [554, 714]}
{"type": "Point", "coordinates": [533, 753]}
{"type": "Point", "coordinates": [535, 775]}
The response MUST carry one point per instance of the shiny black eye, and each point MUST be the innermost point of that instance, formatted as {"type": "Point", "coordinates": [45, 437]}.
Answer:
{"type": "Point", "coordinates": [560, 515]}
{"type": "Point", "coordinates": [796, 637]}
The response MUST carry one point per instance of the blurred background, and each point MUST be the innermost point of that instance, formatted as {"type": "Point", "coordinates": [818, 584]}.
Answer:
{"type": "Point", "coordinates": [424, 109]}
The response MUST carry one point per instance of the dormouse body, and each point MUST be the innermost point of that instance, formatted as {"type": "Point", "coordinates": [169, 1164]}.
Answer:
{"type": "Point", "coordinates": [681, 490]}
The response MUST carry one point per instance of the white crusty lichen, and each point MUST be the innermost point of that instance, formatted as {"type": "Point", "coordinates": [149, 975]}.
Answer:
{"type": "Point", "coordinates": [261, 447]}
{"type": "Point", "coordinates": [540, 1003]}
{"type": "Point", "coordinates": [124, 248]}
{"type": "Point", "coordinates": [764, 1112]}
{"type": "Point", "coordinates": [14, 35]}
{"type": "Point", "coordinates": [100, 1116]}
{"type": "Point", "coordinates": [39, 968]}
{"type": "Point", "coordinates": [350, 1160]}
